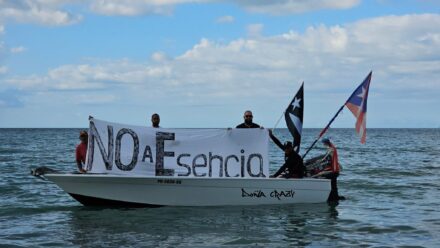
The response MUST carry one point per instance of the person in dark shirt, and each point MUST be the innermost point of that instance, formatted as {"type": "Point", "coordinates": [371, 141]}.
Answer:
{"type": "Point", "coordinates": [293, 166]}
{"type": "Point", "coordinates": [155, 120]}
{"type": "Point", "coordinates": [81, 151]}
{"type": "Point", "coordinates": [248, 121]}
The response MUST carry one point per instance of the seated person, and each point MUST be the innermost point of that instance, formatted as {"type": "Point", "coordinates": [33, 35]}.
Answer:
{"type": "Point", "coordinates": [293, 166]}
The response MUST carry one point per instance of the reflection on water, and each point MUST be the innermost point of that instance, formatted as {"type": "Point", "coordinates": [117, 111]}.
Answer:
{"type": "Point", "coordinates": [200, 226]}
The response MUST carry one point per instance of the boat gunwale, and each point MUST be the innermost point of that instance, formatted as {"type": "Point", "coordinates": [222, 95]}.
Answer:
{"type": "Point", "coordinates": [106, 175]}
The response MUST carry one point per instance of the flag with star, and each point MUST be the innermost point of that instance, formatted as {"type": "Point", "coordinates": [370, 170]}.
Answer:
{"type": "Point", "coordinates": [294, 117]}
{"type": "Point", "coordinates": [357, 103]}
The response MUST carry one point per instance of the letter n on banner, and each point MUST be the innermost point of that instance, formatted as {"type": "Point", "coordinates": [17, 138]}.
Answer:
{"type": "Point", "coordinates": [107, 156]}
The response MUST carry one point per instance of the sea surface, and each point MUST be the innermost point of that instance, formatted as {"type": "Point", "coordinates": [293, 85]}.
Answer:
{"type": "Point", "coordinates": [392, 186]}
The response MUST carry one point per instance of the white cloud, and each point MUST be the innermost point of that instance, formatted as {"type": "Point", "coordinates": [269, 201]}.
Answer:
{"type": "Point", "coordinates": [2, 29]}
{"type": "Point", "coordinates": [225, 19]}
{"type": "Point", "coordinates": [131, 9]}
{"type": "Point", "coordinates": [282, 7]}
{"type": "Point", "coordinates": [137, 7]}
{"type": "Point", "coordinates": [92, 76]}
{"type": "Point", "coordinates": [403, 52]}
{"type": "Point", "coordinates": [279, 7]}
{"type": "Point", "coordinates": [40, 11]}
{"type": "Point", "coordinates": [254, 30]}
{"type": "Point", "coordinates": [18, 49]}
{"type": "Point", "coordinates": [53, 13]}
{"type": "Point", "coordinates": [159, 57]}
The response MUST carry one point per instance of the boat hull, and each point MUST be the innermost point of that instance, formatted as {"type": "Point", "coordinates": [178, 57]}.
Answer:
{"type": "Point", "coordinates": [115, 190]}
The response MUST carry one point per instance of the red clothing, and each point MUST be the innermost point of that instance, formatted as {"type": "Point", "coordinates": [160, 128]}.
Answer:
{"type": "Point", "coordinates": [334, 166]}
{"type": "Point", "coordinates": [81, 152]}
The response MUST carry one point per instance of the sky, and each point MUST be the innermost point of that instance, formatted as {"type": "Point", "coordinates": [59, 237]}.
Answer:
{"type": "Point", "coordinates": [202, 63]}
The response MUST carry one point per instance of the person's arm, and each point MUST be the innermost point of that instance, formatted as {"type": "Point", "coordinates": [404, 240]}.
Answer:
{"type": "Point", "coordinates": [275, 140]}
{"type": "Point", "coordinates": [280, 170]}
{"type": "Point", "coordinates": [78, 158]}
{"type": "Point", "coordinates": [328, 159]}
{"type": "Point", "coordinates": [328, 155]}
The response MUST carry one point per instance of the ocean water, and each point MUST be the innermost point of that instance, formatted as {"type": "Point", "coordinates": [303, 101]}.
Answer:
{"type": "Point", "coordinates": [392, 186]}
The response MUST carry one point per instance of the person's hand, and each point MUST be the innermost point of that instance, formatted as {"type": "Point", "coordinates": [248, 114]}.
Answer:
{"type": "Point", "coordinates": [229, 128]}
{"type": "Point", "coordinates": [261, 127]}
{"type": "Point", "coordinates": [270, 131]}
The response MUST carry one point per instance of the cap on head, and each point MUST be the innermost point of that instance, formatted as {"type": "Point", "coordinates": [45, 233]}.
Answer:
{"type": "Point", "coordinates": [326, 141]}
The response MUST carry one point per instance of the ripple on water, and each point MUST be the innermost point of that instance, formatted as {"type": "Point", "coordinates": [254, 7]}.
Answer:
{"type": "Point", "coordinates": [391, 185]}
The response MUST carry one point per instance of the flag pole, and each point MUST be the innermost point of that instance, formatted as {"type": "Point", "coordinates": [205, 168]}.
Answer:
{"type": "Point", "coordinates": [279, 119]}
{"type": "Point", "coordinates": [323, 131]}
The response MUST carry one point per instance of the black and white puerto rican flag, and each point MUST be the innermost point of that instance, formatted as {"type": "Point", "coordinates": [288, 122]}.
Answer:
{"type": "Point", "coordinates": [294, 117]}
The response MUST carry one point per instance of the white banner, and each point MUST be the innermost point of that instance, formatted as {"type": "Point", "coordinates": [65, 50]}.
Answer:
{"type": "Point", "coordinates": [135, 150]}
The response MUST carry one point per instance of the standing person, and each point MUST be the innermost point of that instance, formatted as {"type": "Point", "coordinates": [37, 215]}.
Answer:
{"type": "Point", "coordinates": [248, 121]}
{"type": "Point", "coordinates": [81, 151]}
{"type": "Point", "coordinates": [293, 166]}
{"type": "Point", "coordinates": [155, 120]}
{"type": "Point", "coordinates": [332, 170]}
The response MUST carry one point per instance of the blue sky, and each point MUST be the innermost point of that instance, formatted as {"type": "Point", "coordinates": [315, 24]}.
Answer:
{"type": "Point", "coordinates": [202, 63]}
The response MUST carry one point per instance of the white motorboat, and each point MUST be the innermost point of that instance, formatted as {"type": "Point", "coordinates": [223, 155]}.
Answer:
{"type": "Point", "coordinates": [152, 191]}
{"type": "Point", "coordinates": [173, 167]}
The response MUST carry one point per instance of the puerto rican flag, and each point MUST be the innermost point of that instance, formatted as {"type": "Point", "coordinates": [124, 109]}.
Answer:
{"type": "Point", "coordinates": [294, 117]}
{"type": "Point", "coordinates": [357, 103]}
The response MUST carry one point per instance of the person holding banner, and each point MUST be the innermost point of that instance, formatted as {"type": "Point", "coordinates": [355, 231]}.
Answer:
{"type": "Point", "coordinates": [81, 151]}
{"type": "Point", "coordinates": [155, 120]}
{"type": "Point", "coordinates": [248, 121]}
{"type": "Point", "coordinates": [293, 166]}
